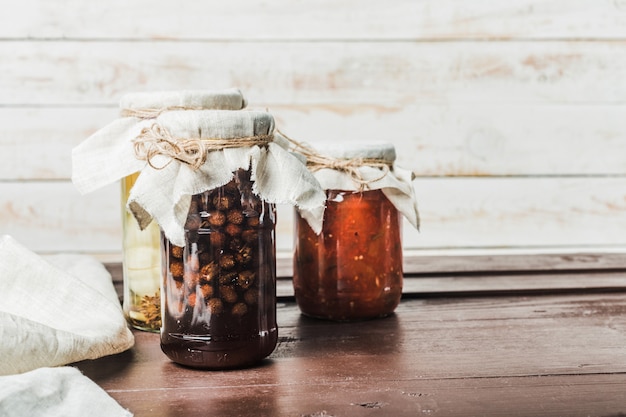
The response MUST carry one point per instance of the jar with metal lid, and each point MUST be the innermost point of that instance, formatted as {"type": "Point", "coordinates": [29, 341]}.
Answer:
{"type": "Point", "coordinates": [141, 262]}
{"type": "Point", "coordinates": [352, 270]}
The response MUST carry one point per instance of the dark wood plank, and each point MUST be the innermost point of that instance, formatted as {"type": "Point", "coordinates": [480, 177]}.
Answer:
{"type": "Point", "coordinates": [416, 264]}
{"type": "Point", "coordinates": [570, 278]}
{"type": "Point", "coordinates": [515, 283]}
{"type": "Point", "coordinates": [498, 284]}
{"type": "Point", "coordinates": [503, 261]}
{"type": "Point", "coordinates": [538, 356]}
{"type": "Point", "coordinates": [584, 396]}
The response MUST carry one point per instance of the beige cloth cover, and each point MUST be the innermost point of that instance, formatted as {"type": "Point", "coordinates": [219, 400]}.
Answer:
{"type": "Point", "coordinates": [108, 155]}
{"type": "Point", "coordinates": [56, 311]}
{"type": "Point", "coordinates": [165, 194]}
{"type": "Point", "coordinates": [396, 185]}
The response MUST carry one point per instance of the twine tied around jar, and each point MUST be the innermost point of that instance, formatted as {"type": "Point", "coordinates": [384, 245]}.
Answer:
{"type": "Point", "coordinates": [153, 113]}
{"type": "Point", "coordinates": [316, 161]}
{"type": "Point", "coordinates": [157, 140]}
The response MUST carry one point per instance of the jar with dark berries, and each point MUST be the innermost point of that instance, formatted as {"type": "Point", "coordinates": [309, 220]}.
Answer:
{"type": "Point", "coordinates": [211, 182]}
{"type": "Point", "coordinates": [219, 297]}
{"type": "Point", "coordinates": [210, 179]}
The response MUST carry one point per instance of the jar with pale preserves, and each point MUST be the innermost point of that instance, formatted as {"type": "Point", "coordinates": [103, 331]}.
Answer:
{"type": "Point", "coordinates": [352, 270]}
{"type": "Point", "coordinates": [141, 268]}
{"type": "Point", "coordinates": [141, 262]}
{"type": "Point", "coordinates": [219, 290]}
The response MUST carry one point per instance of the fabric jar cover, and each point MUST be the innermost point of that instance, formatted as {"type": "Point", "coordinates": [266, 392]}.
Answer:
{"type": "Point", "coordinates": [164, 187]}
{"type": "Point", "coordinates": [106, 156]}
{"type": "Point", "coordinates": [359, 174]}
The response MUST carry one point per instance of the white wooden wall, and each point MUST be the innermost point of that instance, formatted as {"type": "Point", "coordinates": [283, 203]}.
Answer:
{"type": "Point", "coordinates": [512, 113]}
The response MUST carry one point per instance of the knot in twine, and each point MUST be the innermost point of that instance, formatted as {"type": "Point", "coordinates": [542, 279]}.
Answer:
{"type": "Point", "coordinates": [157, 140]}
{"type": "Point", "coordinates": [350, 166]}
{"type": "Point", "coordinates": [153, 113]}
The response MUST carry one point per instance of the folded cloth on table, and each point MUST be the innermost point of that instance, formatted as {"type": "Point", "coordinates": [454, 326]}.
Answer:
{"type": "Point", "coordinates": [57, 311]}
{"type": "Point", "coordinates": [55, 392]}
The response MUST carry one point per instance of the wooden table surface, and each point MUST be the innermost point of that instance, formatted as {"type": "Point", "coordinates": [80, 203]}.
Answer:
{"type": "Point", "coordinates": [473, 354]}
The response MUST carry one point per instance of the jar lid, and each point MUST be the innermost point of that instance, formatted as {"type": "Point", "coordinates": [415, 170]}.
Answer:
{"type": "Point", "coordinates": [227, 99]}
{"type": "Point", "coordinates": [382, 150]}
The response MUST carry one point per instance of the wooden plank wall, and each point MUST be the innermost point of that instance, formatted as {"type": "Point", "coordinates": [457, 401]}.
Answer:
{"type": "Point", "coordinates": [511, 113]}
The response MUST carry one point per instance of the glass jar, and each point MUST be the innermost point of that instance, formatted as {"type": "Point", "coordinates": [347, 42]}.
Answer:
{"type": "Point", "coordinates": [142, 248]}
{"type": "Point", "coordinates": [219, 290]}
{"type": "Point", "coordinates": [352, 270]}
{"type": "Point", "coordinates": [141, 267]}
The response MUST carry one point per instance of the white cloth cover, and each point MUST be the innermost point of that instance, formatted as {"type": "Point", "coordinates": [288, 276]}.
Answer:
{"type": "Point", "coordinates": [108, 155]}
{"type": "Point", "coordinates": [55, 392]}
{"type": "Point", "coordinates": [165, 194]}
{"type": "Point", "coordinates": [397, 185]}
{"type": "Point", "coordinates": [57, 311]}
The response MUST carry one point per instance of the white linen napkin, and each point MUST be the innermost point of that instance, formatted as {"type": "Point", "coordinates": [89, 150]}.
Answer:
{"type": "Point", "coordinates": [55, 392]}
{"type": "Point", "coordinates": [57, 311]}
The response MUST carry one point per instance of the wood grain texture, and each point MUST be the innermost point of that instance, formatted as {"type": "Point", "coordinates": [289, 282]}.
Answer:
{"type": "Point", "coordinates": [53, 217]}
{"type": "Point", "coordinates": [422, 262]}
{"type": "Point", "coordinates": [493, 212]}
{"type": "Point", "coordinates": [455, 275]}
{"type": "Point", "coordinates": [544, 396]}
{"type": "Point", "coordinates": [520, 212]}
{"type": "Point", "coordinates": [445, 276]}
{"type": "Point", "coordinates": [469, 356]}
{"type": "Point", "coordinates": [36, 142]}
{"type": "Point", "coordinates": [530, 90]}
{"type": "Point", "coordinates": [513, 212]}
{"type": "Point", "coordinates": [476, 139]}
{"type": "Point", "coordinates": [343, 20]}
{"type": "Point", "coordinates": [390, 74]}
{"type": "Point", "coordinates": [432, 140]}
{"type": "Point", "coordinates": [420, 284]}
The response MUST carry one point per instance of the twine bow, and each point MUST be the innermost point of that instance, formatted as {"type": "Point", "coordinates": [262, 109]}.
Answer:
{"type": "Point", "coordinates": [157, 140]}
{"type": "Point", "coordinates": [316, 161]}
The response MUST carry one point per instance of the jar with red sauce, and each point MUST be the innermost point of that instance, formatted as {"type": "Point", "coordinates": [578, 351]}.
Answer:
{"type": "Point", "coordinates": [352, 270]}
